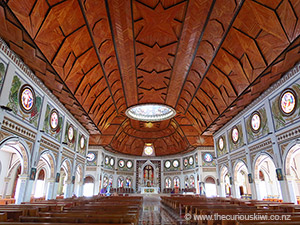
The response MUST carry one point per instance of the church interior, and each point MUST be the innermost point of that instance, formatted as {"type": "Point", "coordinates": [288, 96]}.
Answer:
{"type": "Point", "coordinates": [142, 112]}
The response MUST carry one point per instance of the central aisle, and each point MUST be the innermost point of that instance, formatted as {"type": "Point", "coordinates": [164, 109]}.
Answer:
{"type": "Point", "coordinates": [154, 213]}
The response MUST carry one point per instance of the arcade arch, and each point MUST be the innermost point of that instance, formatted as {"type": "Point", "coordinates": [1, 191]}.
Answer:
{"type": "Point", "coordinates": [242, 185]}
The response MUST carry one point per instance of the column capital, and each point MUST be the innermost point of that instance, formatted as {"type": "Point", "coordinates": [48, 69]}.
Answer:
{"type": "Point", "coordinates": [7, 179]}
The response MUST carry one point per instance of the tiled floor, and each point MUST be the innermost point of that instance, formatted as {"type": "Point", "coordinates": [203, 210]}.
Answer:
{"type": "Point", "coordinates": [154, 213]}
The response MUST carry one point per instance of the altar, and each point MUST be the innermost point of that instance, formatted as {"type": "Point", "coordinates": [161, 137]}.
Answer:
{"type": "Point", "coordinates": [149, 190]}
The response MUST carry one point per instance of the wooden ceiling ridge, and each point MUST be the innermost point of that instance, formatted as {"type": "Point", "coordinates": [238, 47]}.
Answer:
{"type": "Point", "coordinates": [97, 52]}
{"type": "Point", "coordinates": [214, 56]}
{"type": "Point", "coordinates": [4, 4]}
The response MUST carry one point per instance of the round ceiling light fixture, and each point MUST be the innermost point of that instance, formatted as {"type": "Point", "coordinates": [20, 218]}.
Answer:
{"type": "Point", "coordinates": [150, 112]}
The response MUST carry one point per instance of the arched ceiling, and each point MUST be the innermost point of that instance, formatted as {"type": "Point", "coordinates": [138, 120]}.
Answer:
{"type": "Point", "coordinates": [206, 59]}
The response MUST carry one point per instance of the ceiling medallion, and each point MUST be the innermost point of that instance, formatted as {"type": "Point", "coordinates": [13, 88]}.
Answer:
{"type": "Point", "coordinates": [150, 112]}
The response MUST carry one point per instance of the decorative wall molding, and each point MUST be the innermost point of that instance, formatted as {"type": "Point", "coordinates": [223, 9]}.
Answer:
{"type": "Point", "coordinates": [260, 146]}
{"type": "Point", "coordinates": [69, 154]}
{"type": "Point", "coordinates": [288, 135]}
{"type": "Point", "coordinates": [125, 174]}
{"type": "Point", "coordinates": [209, 170]}
{"type": "Point", "coordinates": [18, 129]}
{"type": "Point", "coordinates": [49, 144]}
{"type": "Point", "coordinates": [172, 173]}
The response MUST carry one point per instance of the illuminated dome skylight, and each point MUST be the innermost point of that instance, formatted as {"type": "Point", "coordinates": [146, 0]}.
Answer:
{"type": "Point", "coordinates": [150, 112]}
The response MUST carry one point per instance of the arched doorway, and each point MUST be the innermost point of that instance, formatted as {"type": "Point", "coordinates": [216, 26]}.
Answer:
{"type": "Point", "coordinates": [266, 179]}
{"type": "Point", "coordinates": [242, 185]}
{"type": "Point", "coordinates": [78, 180]}
{"type": "Point", "coordinates": [14, 161]}
{"type": "Point", "coordinates": [65, 178]}
{"type": "Point", "coordinates": [225, 182]}
{"type": "Point", "coordinates": [210, 187]}
{"type": "Point", "coordinates": [292, 171]}
{"type": "Point", "coordinates": [88, 187]}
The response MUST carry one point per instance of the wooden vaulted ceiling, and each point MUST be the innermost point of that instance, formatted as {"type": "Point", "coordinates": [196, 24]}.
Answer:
{"type": "Point", "coordinates": [208, 59]}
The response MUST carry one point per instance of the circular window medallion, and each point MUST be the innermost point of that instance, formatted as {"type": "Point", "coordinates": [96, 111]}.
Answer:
{"type": "Point", "coordinates": [82, 142]}
{"type": "Point", "coordinates": [288, 102]}
{"type": "Point", "coordinates": [255, 122]}
{"type": "Point", "coordinates": [106, 160]}
{"type": "Point", "coordinates": [129, 164]}
{"type": "Point", "coordinates": [71, 133]}
{"type": "Point", "coordinates": [121, 163]}
{"type": "Point", "coordinates": [175, 163]}
{"type": "Point", "coordinates": [54, 120]}
{"type": "Point", "coordinates": [221, 143]}
{"type": "Point", "coordinates": [91, 156]}
{"type": "Point", "coordinates": [27, 98]}
{"type": "Point", "coordinates": [150, 112]}
{"type": "Point", "coordinates": [208, 157]}
{"type": "Point", "coordinates": [185, 162]}
{"type": "Point", "coordinates": [112, 161]}
{"type": "Point", "coordinates": [235, 135]}
{"type": "Point", "coordinates": [191, 160]}
{"type": "Point", "coordinates": [148, 150]}
{"type": "Point", "coordinates": [167, 164]}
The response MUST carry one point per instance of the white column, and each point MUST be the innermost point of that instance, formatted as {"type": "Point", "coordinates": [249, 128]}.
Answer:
{"type": "Point", "coordinates": [80, 189]}
{"type": "Point", "coordinates": [257, 187]}
{"type": "Point", "coordinates": [28, 191]}
{"type": "Point", "coordinates": [68, 191]}
{"type": "Point", "coordinates": [6, 180]}
{"type": "Point", "coordinates": [50, 188]}
{"type": "Point", "coordinates": [21, 188]}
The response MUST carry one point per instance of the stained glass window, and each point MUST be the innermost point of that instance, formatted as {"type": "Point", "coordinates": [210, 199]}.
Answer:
{"type": "Point", "coordinates": [288, 102]}
{"type": "Point", "coordinates": [129, 164]}
{"type": "Point", "coordinates": [91, 156]}
{"type": "Point", "coordinates": [221, 143]}
{"type": "Point", "coordinates": [82, 142]}
{"type": "Point", "coordinates": [121, 163]}
{"type": "Point", "coordinates": [168, 182]}
{"type": "Point", "coordinates": [255, 122]}
{"type": "Point", "coordinates": [175, 163]}
{"type": "Point", "coordinates": [150, 112]}
{"type": "Point", "coordinates": [27, 98]}
{"type": "Point", "coordinates": [54, 120]}
{"type": "Point", "coordinates": [191, 160]}
{"type": "Point", "coordinates": [208, 157]}
{"type": "Point", "coordinates": [235, 135]}
{"type": "Point", "coordinates": [70, 133]}
{"type": "Point", "coordinates": [167, 164]}
{"type": "Point", "coordinates": [185, 162]}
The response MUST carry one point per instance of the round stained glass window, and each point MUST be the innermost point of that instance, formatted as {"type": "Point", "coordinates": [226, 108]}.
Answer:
{"type": "Point", "coordinates": [106, 160]}
{"type": "Point", "coordinates": [148, 150]}
{"type": "Point", "coordinates": [221, 143]}
{"type": "Point", "coordinates": [185, 162]}
{"type": "Point", "coordinates": [235, 135]}
{"type": "Point", "coordinates": [129, 164]}
{"type": "Point", "coordinates": [208, 157]}
{"type": "Point", "coordinates": [121, 163]}
{"type": "Point", "coordinates": [112, 161]}
{"type": "Point", "coordinates": [82, 142]}
{"type": "Point", "coordinates": [27, 98]}
{"type": "Point", "coordinates": [288, 102]}
{"type": "Point", "coordinates": [191, 160]}
{"type": "Point", "coordinates": [175, 163]}
{"type": "Point", "coordinates": [150, 112]}
{"type": "Point", "coordinates": [54, 120]}
{"type": "Point", "coordinates": [167, 164]}
{"type": "Point", "coordinates": [91, 156]}
{"type": "Point", "coordinates": [255, 122]}
{"type": "Point", "coordinates": [70, 133]}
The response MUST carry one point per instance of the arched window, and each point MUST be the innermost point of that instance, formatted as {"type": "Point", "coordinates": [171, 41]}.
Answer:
{"type": "Point", "coordinates": [128, 182]}
{"type": "Point", "coordinates": [88, 188]}
{"type": "Point", "coordinates": [192, 181]}
{"type": "Point", "coordinates": [168, 182]}
{"type": "Point", "coordinates": [105, 181]}
{"type": "Point", "coordinates": [176, 182]}
{"type": "Point", "coordinates": [210, 187]}
{"type": "Point", "coordinates": [40, 184]}
{"type": "Point", "coordinates": [120, 182]}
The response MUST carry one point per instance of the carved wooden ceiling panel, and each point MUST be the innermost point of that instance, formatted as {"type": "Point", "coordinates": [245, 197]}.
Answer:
{"type": "Point", "coordinates": [206, 59]}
